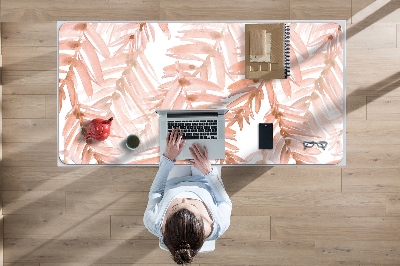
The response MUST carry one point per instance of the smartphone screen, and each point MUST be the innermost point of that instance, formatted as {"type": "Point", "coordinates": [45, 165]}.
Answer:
{"type": "Point", "coordinates": [265, 136]}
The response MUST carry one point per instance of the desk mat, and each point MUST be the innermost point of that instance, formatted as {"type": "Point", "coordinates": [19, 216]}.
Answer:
{"type": "Point", "coordinates": [128, 70]}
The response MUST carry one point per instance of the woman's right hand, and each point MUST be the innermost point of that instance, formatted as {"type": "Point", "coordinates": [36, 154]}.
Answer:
{"type": "Point", "coordinates": [200, 159]}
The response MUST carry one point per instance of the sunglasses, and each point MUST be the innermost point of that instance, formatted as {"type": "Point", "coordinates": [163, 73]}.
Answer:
{"type": "Point", "coordinates": [310, 144]}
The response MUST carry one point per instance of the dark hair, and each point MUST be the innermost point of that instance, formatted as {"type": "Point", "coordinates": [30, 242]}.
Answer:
{"type": "Point", "coordinates": [184, 235]}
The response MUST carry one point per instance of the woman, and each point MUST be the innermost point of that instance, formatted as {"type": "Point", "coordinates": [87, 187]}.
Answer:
{"type": "Point", "coordinates": [186, 209]}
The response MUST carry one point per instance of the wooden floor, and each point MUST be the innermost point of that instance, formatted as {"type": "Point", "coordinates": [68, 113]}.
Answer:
{"type": "Point", "coordinates": [281, 215]}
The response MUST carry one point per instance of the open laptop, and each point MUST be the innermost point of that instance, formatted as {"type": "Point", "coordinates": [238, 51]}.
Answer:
{"type": "Point", "coordinates": [205, 127]}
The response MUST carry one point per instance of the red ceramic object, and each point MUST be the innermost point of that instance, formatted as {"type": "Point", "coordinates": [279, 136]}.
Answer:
{"type": "Point", "coordinates": [98, 129]}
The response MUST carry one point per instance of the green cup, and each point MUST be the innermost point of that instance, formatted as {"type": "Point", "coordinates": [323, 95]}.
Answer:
{"type": "Point", "coordinates": [132, 141]}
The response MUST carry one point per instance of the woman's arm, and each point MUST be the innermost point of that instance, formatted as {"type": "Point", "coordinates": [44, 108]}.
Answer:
{"type": "Point", "coordinates": [213, 177]}
{"type": "Point", "coordinates": [167, 161]}
{"type": "Point", "coordinates": [156, 194]}
{"type": "Point", "coordinates": [222, 199]}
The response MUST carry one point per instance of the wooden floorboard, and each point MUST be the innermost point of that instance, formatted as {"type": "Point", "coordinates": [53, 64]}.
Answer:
{"type": "Point", "coordinates": [224, 9]}
{"type": "Point", "coordinates": [70, 216]}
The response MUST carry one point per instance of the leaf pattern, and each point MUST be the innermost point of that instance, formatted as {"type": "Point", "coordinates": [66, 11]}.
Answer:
{"type": "Point", "coordinates": [128, 70]}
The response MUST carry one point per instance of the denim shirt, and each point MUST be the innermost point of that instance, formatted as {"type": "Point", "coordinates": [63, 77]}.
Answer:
{"type": "Point", "coordinates": [209, 188]}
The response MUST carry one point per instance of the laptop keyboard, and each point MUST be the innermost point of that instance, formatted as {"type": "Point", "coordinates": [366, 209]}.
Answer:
{"type": "Point", "coordinates": [196, 129]}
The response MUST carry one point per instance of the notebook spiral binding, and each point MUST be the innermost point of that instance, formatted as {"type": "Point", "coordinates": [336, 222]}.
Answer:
{"type": "Point", "coordinates": [287, 50]}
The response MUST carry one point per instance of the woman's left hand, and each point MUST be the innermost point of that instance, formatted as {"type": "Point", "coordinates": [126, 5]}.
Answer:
{"type": "Point", "coordinates": [174, 144]}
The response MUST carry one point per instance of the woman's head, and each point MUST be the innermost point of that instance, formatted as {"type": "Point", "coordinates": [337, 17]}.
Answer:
{"type": "Point", "coordinates": [184, 235]}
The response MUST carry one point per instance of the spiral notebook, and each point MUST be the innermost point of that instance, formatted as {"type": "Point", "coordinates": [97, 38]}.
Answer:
{"type": "Point", "coordinates": [267, 49]}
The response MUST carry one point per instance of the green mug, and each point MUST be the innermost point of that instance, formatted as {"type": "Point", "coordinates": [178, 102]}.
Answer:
{"type": "Point", "coordinates": [132, 141]}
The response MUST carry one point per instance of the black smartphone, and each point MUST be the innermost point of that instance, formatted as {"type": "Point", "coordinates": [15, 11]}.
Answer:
{"type": "Point", "coordinates": [265, 136]}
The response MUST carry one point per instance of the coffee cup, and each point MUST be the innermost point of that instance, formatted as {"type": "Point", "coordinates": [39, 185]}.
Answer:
{"type": "Point", "coordinates": [132, 141]}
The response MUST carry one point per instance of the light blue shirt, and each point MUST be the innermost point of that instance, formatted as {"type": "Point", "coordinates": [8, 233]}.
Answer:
{"type": "Point", "coordinates": [209, 188]}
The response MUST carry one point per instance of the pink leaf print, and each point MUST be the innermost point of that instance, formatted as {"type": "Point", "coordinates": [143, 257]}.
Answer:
{"type": "Point", "coordinates": [84, 77]}
{"type": "Point", "coordinates": [200, 85]}
{"type": "Point", "coordinates": [92, 61]}
{"type": "Point", "coordinates": [237, 68]}
{"type": "Point", "coordinates": [64, 59]}
{"type": "Point", "coordinates": [105, 159]}
{"type": "Point", "coordinates": [87, 154]}
{"type": "Point", "coordinates": [96, 41]}
{"type": "Point", "coordinates": [219, 69]}
{"type": "Point", "coordinates": [295, 73]}
{"type": "Point", "coordinates": [297, 45]}
{"type": "Point", "coordinates": [198, 48]}
{"type": "Point", "coordinates": [230, 48]}
{"type": "Point", "coordinates": [108, 69]}
{"type": "Point", "coordinates": [99, 148]}
{"type": "Point", "coordinates": [241, 86]}
{"type": "Point", "coordinates": [286, 87]}
{"type": "Point", "coordinates": [67, 30]}
{"type": "Point", "coordinates": [165, 29]}
{"type": "Point", "coordinates": [71, 90]}
{"type": "Point", "coordinates": [285, 155]}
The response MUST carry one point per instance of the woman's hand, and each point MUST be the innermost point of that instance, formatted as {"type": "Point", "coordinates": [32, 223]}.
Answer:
{"type": "Point", "coordinates": [174, 144]}
{"type": "Point", "coordinates": [200, 157]}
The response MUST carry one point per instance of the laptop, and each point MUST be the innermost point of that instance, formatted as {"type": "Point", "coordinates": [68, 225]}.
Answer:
{"type": "Point", "coordinates": [205, 127]}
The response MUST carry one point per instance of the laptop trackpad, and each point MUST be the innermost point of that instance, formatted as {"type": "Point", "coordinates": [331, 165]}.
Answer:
{"type": "Point", "coordinates": [201, 143]}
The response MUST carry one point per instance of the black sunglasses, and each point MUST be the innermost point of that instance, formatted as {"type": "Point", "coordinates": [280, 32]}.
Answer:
{"type": "Point", "coordinates": [310, 144]}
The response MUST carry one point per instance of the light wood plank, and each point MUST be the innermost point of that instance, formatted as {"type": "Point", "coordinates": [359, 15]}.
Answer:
{"type": "Point", "coordinates": [30, 154]}
{"type": "Point", "coordinates": [30, 82]}
{"type": "Point", "coordinates": [33, 202]}
{"type": "Point", "coordinates": [21, 264]}
{"type": "Point", "coordinates": [86, 251]}
{"type": "Point", "coordinates": [367, 155]}
{"type": "Point", "coordinates": [224, 10]}
{"type": "Point", "coordinates": [364, 252]}
{"type": "Point", "coordinates": [78, 179]}
{"type": "Point", "coordinates": [384, 107]}
{"type": "Point", "coordinates": [113, 264]}
{"type": "Point", "coordinates": [398, 35]}
{"type": "Point", "coordinates": [284, 179]}
{"type": "Point", "coordinates": [260, 252]}
{"type": "Point", "coordinates": [372, 72]}
{"type": "Point", "coordinates": [249, 227]}
{"type": "Point", "coordinates": [335, 228]}
{"type": "Point", "coordinates": [1, 154]}
{"type": "Point", "coordinates": [30, 130]}
{"type": "Point", "coordinates": [360, 36]}
{"type": "Point", "coordinates": [147, 251]}
{"type": "Point", "coordinates": [29, 34]}
{"type": "Point", "coordinates": [369, 12]}
{"type": "Point", "coordinates": [16, 11]}
{"type": "Point", "coordinates": [373, 132]}
{"type": "Point", "coordinates": [324, 9]}
{"type": "Point", "coordinates": [30, 58]}
{"type": "Point", "coordinates": [50, 226]}
{"type": "Point", "coordinates": [309, 204]}
{"type": "Point", "coordinates": [129, 227]}
{"type": "Point", "coordinates": [24, 106]}
{"type": "Point", "coordinates": [356, 108]}
{"type": "Point", "coordinates": [51, 106]}
{"type": "Point", "coordinates": [393, 204]}
{"type": "Point", "coordinates": [1, 237]}
{"type": "Point", "coordinates": [358, 6]}
{"type": "Point", "coordinates": [107, 203]}
{"type": "Point", "coordinates": [379, 180]}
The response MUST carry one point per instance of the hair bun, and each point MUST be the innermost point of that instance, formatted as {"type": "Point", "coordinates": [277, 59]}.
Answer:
{"type": "Point", "coordinates": [184, 245]}
{"type": "Point", "coordinates": [183, 255]}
